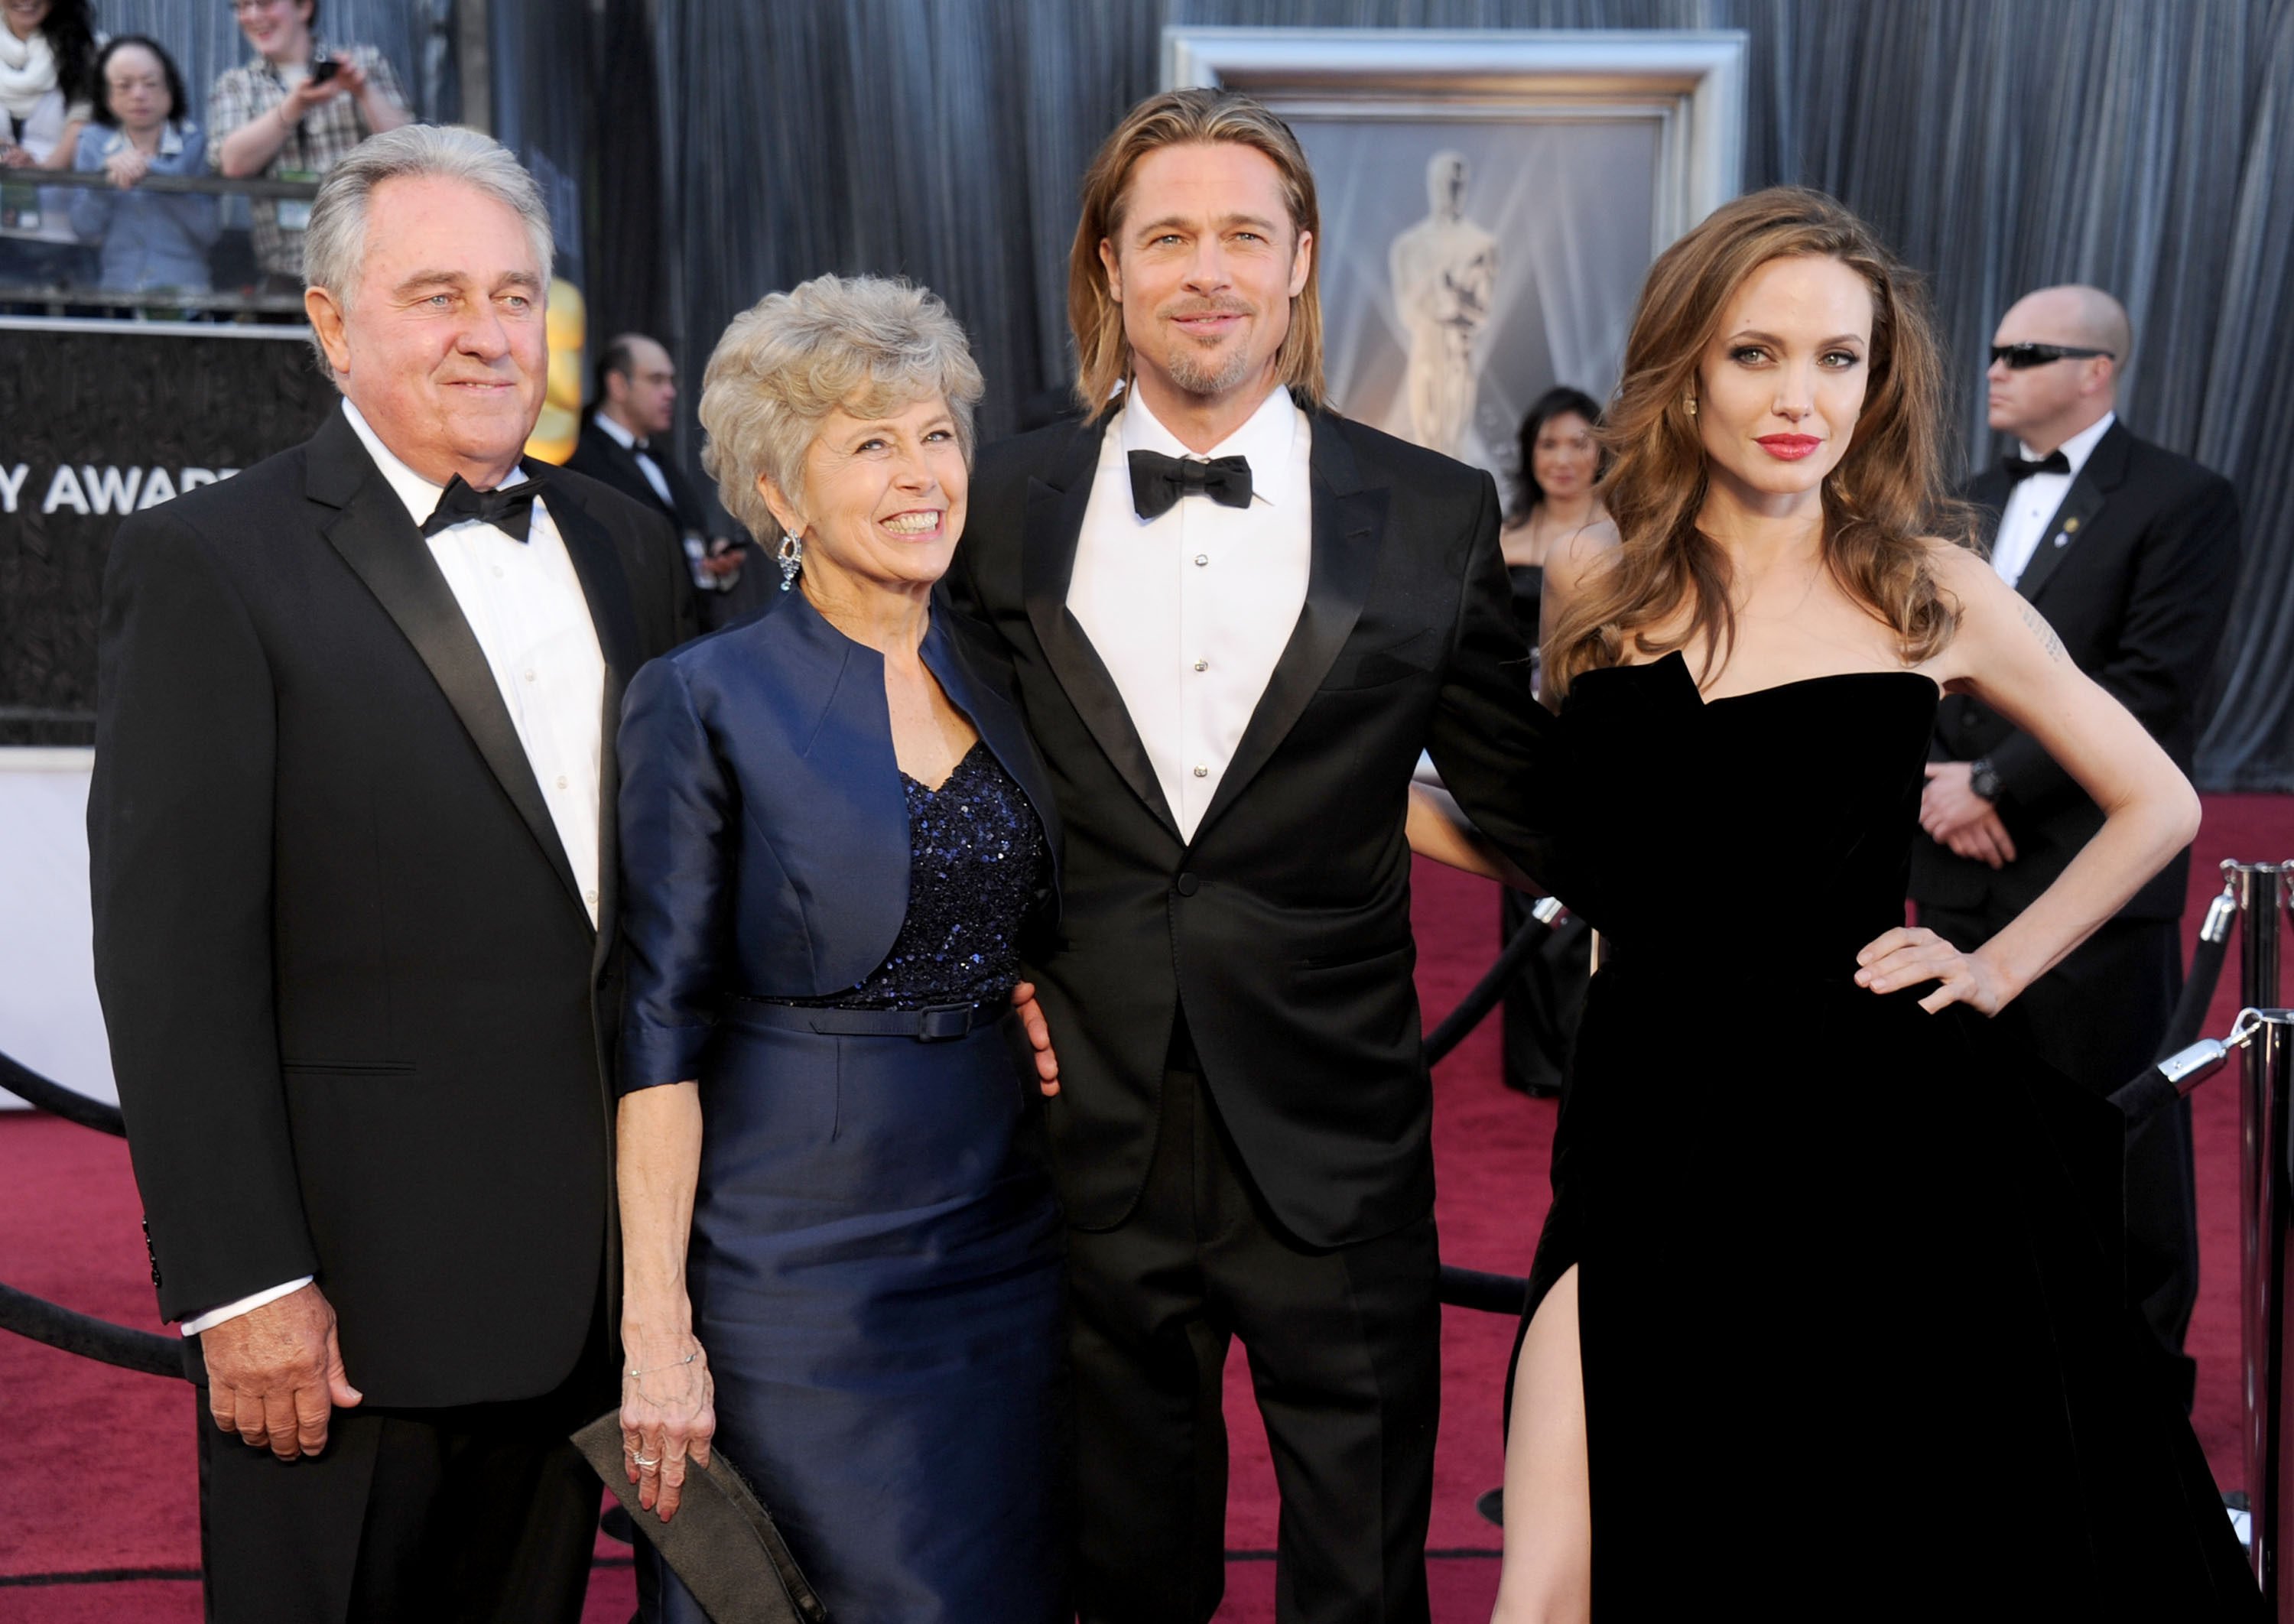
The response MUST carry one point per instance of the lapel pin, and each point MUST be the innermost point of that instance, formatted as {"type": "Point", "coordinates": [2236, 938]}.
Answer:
{"type": "Point", "coordinates": [2064, 539]}
{"type": "Point", "coordinates": [2070, 525]}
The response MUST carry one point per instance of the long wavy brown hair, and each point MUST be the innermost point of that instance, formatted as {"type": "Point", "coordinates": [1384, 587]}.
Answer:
{"type": "Point", "coordinates": [1881, 505]}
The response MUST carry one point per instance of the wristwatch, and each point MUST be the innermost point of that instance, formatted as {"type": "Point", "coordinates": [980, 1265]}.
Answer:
{"type": "Point", "coordinates": [1984, 779]}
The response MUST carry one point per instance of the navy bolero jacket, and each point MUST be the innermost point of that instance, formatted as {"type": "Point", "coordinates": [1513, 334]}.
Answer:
{"type": "Point", "coordinates": [763, 833]}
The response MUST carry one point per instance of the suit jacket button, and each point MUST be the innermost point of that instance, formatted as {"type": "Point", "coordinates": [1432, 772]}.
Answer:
{"type": "Point", "coordinates": [1187, 885]}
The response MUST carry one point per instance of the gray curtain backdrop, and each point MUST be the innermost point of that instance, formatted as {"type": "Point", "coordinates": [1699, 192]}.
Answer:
{"type": "Point", "coordinates": [1999, 144]}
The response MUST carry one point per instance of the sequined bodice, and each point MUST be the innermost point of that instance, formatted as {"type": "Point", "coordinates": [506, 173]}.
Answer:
{"type": "Point", "coordinates": [975, 857]}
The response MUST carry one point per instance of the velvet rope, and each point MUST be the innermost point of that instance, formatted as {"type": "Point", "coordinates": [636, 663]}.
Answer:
{"type": "Point", "coordinates": [58, 1101]}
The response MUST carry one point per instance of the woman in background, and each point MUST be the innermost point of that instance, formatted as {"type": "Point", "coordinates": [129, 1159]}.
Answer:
{"type": "Point", "coordinates": [842, 1252]}
{"type": "Point", "coordinates": [1561, 464]}
{"type": "Point", "coordinates": [1560, 470]}
{"type": "Point", "coordinates": [147, 242]}
{"type": "Point", "coordinates": [47, 81]}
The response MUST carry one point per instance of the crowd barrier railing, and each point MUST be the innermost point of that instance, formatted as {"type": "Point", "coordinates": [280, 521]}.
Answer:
{"type": "Point", "coordinates": [81, 298]}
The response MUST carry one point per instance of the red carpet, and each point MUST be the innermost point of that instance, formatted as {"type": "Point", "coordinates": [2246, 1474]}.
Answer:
{"type": "Point", "coordinates": [96, 1476]}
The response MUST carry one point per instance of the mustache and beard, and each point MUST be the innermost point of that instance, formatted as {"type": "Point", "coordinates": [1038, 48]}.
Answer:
{"type": "Point", "coordinates": [1209, 368]}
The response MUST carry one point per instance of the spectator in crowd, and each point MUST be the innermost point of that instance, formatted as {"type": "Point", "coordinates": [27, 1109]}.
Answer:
{"type": "Point", "coordinates": [47, 54]}
{"type": "Point", "coordinates": [1560, 461]}
{"type": "Point", "coordinates": [147, 241]}
{"type": "Point", "coordinates": [2130, 552]}
{"type": "Point", "coordinates": [292, 113]}
{"type": "Point", "coordinates": [636, 404]}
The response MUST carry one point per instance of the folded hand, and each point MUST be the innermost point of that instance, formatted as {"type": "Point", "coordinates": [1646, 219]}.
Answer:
{"type": "Point", "coordinates": [1039, 1037]}
{"type": "Point", "coordinates": [669, 1414]}
{"type": "Point", "coordinates": [1907, 956]}
{"type": "Point", "coordinates": [275, 1373]}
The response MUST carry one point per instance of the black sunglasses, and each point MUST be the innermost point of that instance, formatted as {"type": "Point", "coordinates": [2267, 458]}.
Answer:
{"type": "Point", "coordinates": [2022, 356]}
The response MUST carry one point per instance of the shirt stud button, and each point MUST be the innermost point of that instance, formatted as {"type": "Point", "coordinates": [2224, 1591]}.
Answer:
{"type": "Point", "coordinates": [561, 781]}
{"type": "Point", "coordinates": [529, 674]}
{"type": "Point", "coordinates": [1201, 559]}
{"type": "Point", "coordinates": [1203, 665]}
{"type": "Point", "coordinates": [1202, 772]}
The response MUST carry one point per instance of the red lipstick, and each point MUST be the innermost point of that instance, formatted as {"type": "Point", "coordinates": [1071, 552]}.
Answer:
{"type": "Point", "coordinates": [1789, 448]}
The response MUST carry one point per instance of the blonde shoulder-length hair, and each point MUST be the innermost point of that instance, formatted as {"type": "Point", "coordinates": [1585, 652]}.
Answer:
{"type": "Point", "coordinates": [1881, 505]}
{"type": "Point", "coordinates": [1180, 117]}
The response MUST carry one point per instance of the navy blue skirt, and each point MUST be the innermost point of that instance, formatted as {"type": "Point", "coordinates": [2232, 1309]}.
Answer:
{"type": "Point", "coordinates": [876, 1273]}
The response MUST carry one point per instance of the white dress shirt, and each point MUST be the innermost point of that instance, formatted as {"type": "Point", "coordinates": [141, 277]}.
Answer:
{"type": "Point", "coordinates": [2023, 521]}
{"type": "Point", "coordinates": [646, 465]}
{"type": "Point", "coordinates": [525, 606]}
{"type": "Point", "coordinates": [1190, 609]}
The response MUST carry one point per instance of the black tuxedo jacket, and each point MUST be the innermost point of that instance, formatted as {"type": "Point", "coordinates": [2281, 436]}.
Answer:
{"type": "Point", "coordinates": [603, 457]}
{"type": "Point", "coordinates": [1282, 929]}
{"type": "Point", "coordinates": [2135, 573]}
{"type": "Point", "coordinates": [358, 1014]}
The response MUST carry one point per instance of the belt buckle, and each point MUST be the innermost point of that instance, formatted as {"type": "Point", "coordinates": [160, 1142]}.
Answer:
{"type": "Point", "coordinates": [943, 1023]}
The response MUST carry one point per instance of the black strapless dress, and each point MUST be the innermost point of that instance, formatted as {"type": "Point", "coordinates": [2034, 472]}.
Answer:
{"type": "Point", "coordinates": [1787, 1197]}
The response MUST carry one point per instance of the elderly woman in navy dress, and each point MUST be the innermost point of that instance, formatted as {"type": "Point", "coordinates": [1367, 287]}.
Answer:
{"type": "Point", "coordinates": [841, 1252]}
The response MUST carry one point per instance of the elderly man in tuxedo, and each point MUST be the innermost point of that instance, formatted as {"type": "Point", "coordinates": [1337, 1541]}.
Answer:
{"type": "Point", "coordinates": [2129, 552]}
{"type": "Point", "coordinates": [352, 830]}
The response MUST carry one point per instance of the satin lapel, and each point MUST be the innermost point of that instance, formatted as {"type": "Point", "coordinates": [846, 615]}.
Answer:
{"type": "Point", "coordinates": [604, 586]}
{"type": "Point", "coordinates": [1053, 525]}
{"type": "Point", "coordinates": [2081, 503]}
{"type": "Point", "coordinates": [1349, 524]}
{"type": "Point", "coordinates": [384, 548]}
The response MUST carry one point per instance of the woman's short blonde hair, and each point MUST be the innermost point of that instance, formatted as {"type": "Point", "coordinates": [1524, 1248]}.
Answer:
{"type": "Point", "coordinates": [870, 345]}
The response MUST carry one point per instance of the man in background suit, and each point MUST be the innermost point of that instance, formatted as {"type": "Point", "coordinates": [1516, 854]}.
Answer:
{"type": "Point", "coordinates": [636, 405]}
{"type": "Point", "coordinates": [351, 831]}
{"type": "Point", "coordinates": [2130, 553]}
{"type": "Point", "coordinates": [1237, 618]}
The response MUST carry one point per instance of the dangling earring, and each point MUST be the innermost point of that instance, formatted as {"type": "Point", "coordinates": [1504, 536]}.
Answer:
{"type": "Point", "coordinates": [1689, 401]}
{"type": "Point", "coordinates": [791, 554]}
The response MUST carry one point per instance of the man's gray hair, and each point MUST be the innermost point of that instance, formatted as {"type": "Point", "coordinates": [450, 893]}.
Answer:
{"type": "Point", "coordinates": [334, 244]}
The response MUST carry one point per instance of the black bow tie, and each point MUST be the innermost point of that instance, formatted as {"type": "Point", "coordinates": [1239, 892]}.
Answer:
{"type": "Point", "coordinates": [509, 508]}
{"type": "Point", "coordinates": [1158, 481]}
{"type": "Point", "coordinates": [2021, 468]}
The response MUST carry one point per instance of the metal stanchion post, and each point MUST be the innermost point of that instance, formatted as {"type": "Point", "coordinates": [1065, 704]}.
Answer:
{"type": "Point", "coordinates": [2264, 1214]}
{"type": "Point", "coordinates": [2270, 1480]}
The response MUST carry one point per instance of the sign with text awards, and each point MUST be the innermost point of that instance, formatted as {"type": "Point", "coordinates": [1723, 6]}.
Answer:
{"type": "Point", "coordinates": [99, 419]}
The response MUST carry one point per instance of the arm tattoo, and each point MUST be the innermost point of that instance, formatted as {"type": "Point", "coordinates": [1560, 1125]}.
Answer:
{"type": "Point", "coordinates": [2046, 633]}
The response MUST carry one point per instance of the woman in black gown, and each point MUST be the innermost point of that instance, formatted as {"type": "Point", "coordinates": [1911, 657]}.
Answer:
{"type": "Point", "coordinates": [1791, 1170]}
{"type": "Point", "coordinates": [1560, 464]}
{"type": "Point", "coordinates": [842, 1251]}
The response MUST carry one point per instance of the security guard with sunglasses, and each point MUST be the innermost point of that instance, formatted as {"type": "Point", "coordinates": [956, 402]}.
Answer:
{"type": "Point", "coordinates": [2128, 554]}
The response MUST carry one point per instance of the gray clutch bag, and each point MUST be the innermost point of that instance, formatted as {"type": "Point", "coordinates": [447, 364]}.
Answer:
{"type": "Point", "coordinates": [721, 1543]}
